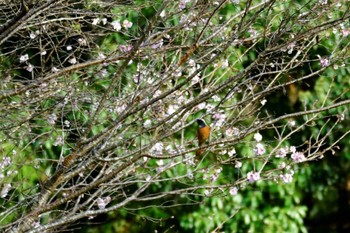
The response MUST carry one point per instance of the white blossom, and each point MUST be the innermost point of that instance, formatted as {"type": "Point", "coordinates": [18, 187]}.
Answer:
{"type": "Point", "coordinates": [253, 176]}
{"type": "Point", "coordinates": [233, 191]}
{"type": "Point", "coordinates": [116, 25]}
{"type": "Point", "coordinates": [23, 58]}
{"type": "Point", "coordinates": [258, 137]}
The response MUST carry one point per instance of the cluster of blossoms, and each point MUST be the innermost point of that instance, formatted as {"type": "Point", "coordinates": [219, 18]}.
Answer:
{"type": "Point", "coordinates": [117, 26]}
{"type": "Point", "coordinates": [24, 59]}
{"type": "Point", "coordinates": [296, 156]}
{"type": "Point", "coordinates": [6, 161]}
{"type": "Point", "coordinates": [253, 176]}
{"type": "Point", "coordinates": [259, 148]}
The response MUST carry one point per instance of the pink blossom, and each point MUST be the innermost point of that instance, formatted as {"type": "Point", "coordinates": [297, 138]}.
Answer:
{"type": "Point", "coordinates": [182, 4]}
{"type": "Point", "coordinates": [229, 132]}
{"type": "Point", "coordinates": [290, 47]}
{"type": "Point", "coordinates": [233, 191]}
{"type": "Point", "coordinates": [345, 32]}
{"type": "Point", "coordinates": [127, 24]}
{"type": "Point", "coordinates": [287, 178]}
{"type": "Point", "coordinates": [30, 68]}
{"type": "Point", "coordinates": [253, 176]}
{"type": "Point", "coordinates": [323, 61]}
{"type": "Point", "coordinates": [125, 48]}
{"type": "Point", "coordinates": [298, 157]}
{"type": "Point", "coordinates": [281, 153]}
{"type": "Point", "coordinates": [101, 203]}
{"type": "Point", "coordinates": [259, 149]}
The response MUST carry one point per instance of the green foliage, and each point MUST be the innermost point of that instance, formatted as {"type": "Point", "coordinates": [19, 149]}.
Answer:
{"type": "Point", "coordinates": [266, 208]}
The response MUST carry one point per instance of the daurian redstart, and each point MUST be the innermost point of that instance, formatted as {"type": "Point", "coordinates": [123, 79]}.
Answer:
{"type": "Point", "coordinates": [203, 134]}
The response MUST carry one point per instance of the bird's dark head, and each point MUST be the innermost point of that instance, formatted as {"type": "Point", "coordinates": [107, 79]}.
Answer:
{"type": "Point", "coordinates": [201, 123]}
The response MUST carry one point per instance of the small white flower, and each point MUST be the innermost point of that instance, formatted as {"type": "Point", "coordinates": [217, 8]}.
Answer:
{"type": "Point", "coordinates": [59, 141]}
{"type": "Point", "coordinates": [232, 152]}
{"type": "Point", "coordinates": [214, 177]}
{"type": "Point", "coordinates": [103, 73]}
{"type": "Point", "coordinates": [69, 47]}
{"type": "Point", "coordinates": [258, 137]}
{"type": "Point", "coordinates": [253, 176]}
{"type": "Point", "coordinates": [95, 21]}
{"type": "Point", "coordinates": [290, 47]}
{"type": "Point", "coordinates": [54, 69]}
{"type": "Point", "coordinates": [32, 35]}
{"type": "Point", "coordinates": [323, 61]}
{"type": "Point", "coordinates": [207, 192]}
{"type": "Point", "coordinates": [229, 132]}
{"type": "Point", "coordinates": [182, 4]}
{"type": "Point", "coordinates": [147, 123]}
{"type": "Point", "coordinates": [292, 149]}
{"type": "Point", "coordinates": [238, 164]}
{"type": "Point", "coordinates": [101, 203]}
{"type": "Point", "coordinates": [6, 161]}
{"type": "Point", "coordinates": [298, 157]}
{"type": "Point", "coordinates": [160, 162]}
{"type": "Point", "coordinates": [171, 109]}
{"type": "Point", "coordinates": [23, 58]}
{"type": "Point", "coordinates": [101, 56]}
{"type": "Point", "coordinates": [72, 60]}
{"type": "Point", "coordinates": [127, 24]}
{"type": "Point", "coordinates": [282, 165]}
{"type": "Point", "coordinates": [30, 68]}
{"type": "Point", "coordinates": [67, 123]}
{"type": "Point", "coordinates": [52, 119]}
{"type": "Point", "coordinates": [116, 25]}
{"type": "Point", "coordinates": [162, 14]}
{"type": "Point", "coordinates": [43, 52]}
{"type": "Point", "coordinates": [6, 188]}
{"type": "Point", "coordinates": [201, 105]}
{"type": "Point", "coordinates": [281, 153]}
{"type": "Point", "coordinates": [291, 123]}
{"type": "Point", "coordinates": [263, 102]}
{"type": "Point", "coordinates": [233, 191]}
{"type": "Point", "coordinates": [82, 42]}
{"type": "Point", "coordinates": [287, 178]}
{"type": "Point", "coordinates": [190, 175]}
{"type": "Point", "coordinates": [157, 44]}
{"type": "Point", "coordinates": [259, 149]}
{"type": "Point", "coordinates": [224, 64]}
{"type": "Point", "coordinates": [104, 21]}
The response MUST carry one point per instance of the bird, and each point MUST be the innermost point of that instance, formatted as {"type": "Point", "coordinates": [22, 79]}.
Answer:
{"type": "Point", "coordinates": [203, 134]}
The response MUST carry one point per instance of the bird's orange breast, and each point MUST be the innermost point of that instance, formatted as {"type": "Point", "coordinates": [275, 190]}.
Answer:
{"type": "Point", "coordinates": [203, 134]}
